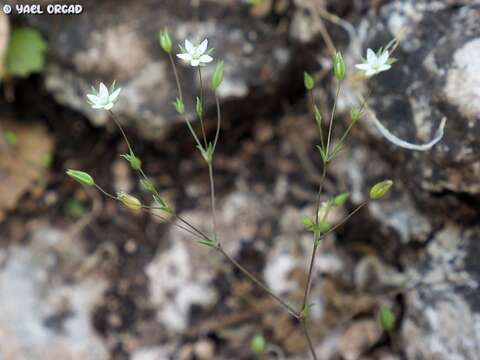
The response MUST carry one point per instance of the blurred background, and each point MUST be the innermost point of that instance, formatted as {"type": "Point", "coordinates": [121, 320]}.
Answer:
{"type": "Point", "coordinates": [82, 277]}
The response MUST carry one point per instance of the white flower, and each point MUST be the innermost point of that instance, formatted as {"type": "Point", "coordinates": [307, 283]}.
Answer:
{"type": "Point", "coordinates": [103, 99]}
{"type": "Point", "coordinates": [195, 55]}
{"type": "Point", "coordinates": [375, 64]}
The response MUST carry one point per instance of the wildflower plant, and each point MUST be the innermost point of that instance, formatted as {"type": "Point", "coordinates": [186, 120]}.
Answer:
{"type": "Point", "coordinates": [318, 223]}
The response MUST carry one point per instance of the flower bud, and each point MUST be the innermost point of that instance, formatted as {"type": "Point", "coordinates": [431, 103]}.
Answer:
{"type": "Point", "coordinates": [380, 189]}
{"type": "Point", "coordinates": [308, 81]}
{"type": "Point", "coordinates": [217, 77]}
{"type": "Point", "coordinates": [165, 41]}
{"type": "Point", "coordinates": [355, 115]}
{"type": "Point", "coordinates": [81, 177]}
{"type": "Point", "coordinates": [135, 162]}
{"type": "Point", "coordinates": [129, 201]}
{"type": "Point", "coordinates": [179, 106]}
{"type": "Point", "coordinates": [338, 66]}
{"type": "Point", "coordinates": [258, 344]}
{"type": "Point", "coordinates": [386, 318]}
{"type": "Point", "coordinates": [341, 199]}
{"type": "Point", "coordinates": [199, 107]}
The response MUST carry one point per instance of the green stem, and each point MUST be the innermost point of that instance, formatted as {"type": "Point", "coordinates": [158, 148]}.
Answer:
{"type": "Point", "coordinates": [247, 273]}
{"type": "Point", "coordinates": [175, 74]}
{"type": "Point", "coordinates": [319, 123]}
{"type": "Point", "coordinates": [330, 127]}
{"type": "Point", "coordinates": [309, 339]}
{"type": "Point", "coordinates": [201, 101]}
{"type": "Point", "coordinates": [212, 199]}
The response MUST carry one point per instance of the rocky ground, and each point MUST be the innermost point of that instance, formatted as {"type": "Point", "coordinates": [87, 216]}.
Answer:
{"type": "Point", "coordinates": [83, 278]}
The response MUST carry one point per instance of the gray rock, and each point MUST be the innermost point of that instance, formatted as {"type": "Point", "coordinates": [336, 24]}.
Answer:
{"type": "Point", "coordinates": [43, 314]}
{"type": "Point", "coordinates": [436, 76]}
{"type": "Point", "coordinates": [119, 41]}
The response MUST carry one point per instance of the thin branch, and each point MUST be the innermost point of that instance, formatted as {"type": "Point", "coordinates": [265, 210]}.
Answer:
{"type": "Point", "coordinates": [309, 340]}
{"type": "Point", "coordinates": [247, 273]}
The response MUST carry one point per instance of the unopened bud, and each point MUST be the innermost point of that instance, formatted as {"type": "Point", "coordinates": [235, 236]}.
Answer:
{"type": "Point", "coordinates": [380, 189]}
{"type": "Point", "coordinates": [165, 41]}
{"type": "Point", "coordinates": [217, 77]}
{"type": "Point", "coordinates": [81, 177]}
{"type": "Point", "coordinates": [308, 81]}
{"type": "Point", "coordinates": [258, 344]}
{"type": "Point", "coordinates": [129, 201]}
{"type": "Point", "coordinates": [339, 66]}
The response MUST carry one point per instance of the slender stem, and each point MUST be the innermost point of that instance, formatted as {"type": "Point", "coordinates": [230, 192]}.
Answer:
{"type": "Point", "coordinates": [117, 123]}
{"type": "Point", "coordinates": [332, 116]}
{"type": "Point", "coordinates": [181, 219]}
{"type": "Point", "coordinates": [319, 123]}
{"type": "Point", "coordinates": [315, 238]}
{"type": "Point", "coordinates": [166, 220]}
{"type": "Point", "coordinates": [106, 193]}
{"type": "Point", "coordinates": [212, 199]}
{"type": "Point", "coordinates": [179, 88]}
{"type": "Point", "coordinates": [309, 339]}
{"type": "Point", "coordinates": [247, 273]}
{"type": "Point", "coordinates": [344, 220]}
{"type": "Point", "coordinates": [219, 120]}
{"type": "Point", "coordinates": [201, 101]}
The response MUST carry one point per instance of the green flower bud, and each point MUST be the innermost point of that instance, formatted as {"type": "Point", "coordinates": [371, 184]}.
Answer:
{"type": "Point", "coordinates": [339, 66]}
{"type": "Point", "coordinates": [81, 177]}
{"type": "Point", "coordinates": [134, 161]}
{"type": "Point", "coordinates": [179, 106]}
{"type": "Point", "coordinates": [308, 81]}
{"type": "Point", "coordinates": [341, 199]}
{"type": "Point", "coordinates": [386, 318]}
{"type": "Point", "coordinates": [318, 115]}
{"type": "Point", "coordinates": [217, 77]}
{"type": "Point", "coordinates": [165, 41]}
{"type": "Point", "coordinates": [129, 201]}
{"type": "Point", "coordinates": [355, 115]}
{"type": "Point", "coordinates": [258, 344]}
{"type": "Point", "coordinates": [199, 107]}
{"type": "Point", "coordinates": [380, 189]}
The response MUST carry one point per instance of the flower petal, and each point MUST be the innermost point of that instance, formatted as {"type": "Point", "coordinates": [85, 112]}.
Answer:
{"type": "Point", "coordinates": [113, 96]}
{"type": "Point", "coordinates": [97, 106]}
{"type": "Point", "coordinates": [205, 58]}
{"type": "Point", "coordinates": [189, 47]}
{"type": "Point", "coordinates": [384, 67]}
{"type": "Point", "coordinates": [195, 62]}
{"type": "Point", "coordinates": [202, 47]}
{"type": "Point", "coordinates": [384, 57]}
{"type": "Point", "coordinates": [186, 57]}
{"type": "Point", "coordinates": [103, 92]}
{"type": "Point", "coordinates": [109, 106]}
{"type": "Point", "coordinates": [371, 57]}
{"type": "Point", "coordinates": [93, 98]}
{"type": "Point", "coordinates": [364, 67]}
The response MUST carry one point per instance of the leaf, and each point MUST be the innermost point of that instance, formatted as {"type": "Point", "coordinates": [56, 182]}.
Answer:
{"type": "Point", "coordinates": [25, 53]}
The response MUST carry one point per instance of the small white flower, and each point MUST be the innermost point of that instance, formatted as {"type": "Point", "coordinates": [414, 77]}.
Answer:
{"type": "Point", "coordinates": [103, 99]}
{"type": "Point", "coordinates": [375, 64]}
{"type": "Point", "coordinates": [195, 55]}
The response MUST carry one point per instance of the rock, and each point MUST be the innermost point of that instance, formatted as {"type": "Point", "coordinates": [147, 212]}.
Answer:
{"type": "Point", "coordinates": [23, 162]}
{"type": "Point", "coordinates": [179, 280]}
{"type": "Point", "coordinates": [360, 336]}
{"type": "Point", "coordinates": [43, 314]}
{"type": "Point", "coordinates": [120, 41]}
{"type": "Point", "coordinates": [435, 77]}
{"type": "Point", "coordinates": [444, 312]}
